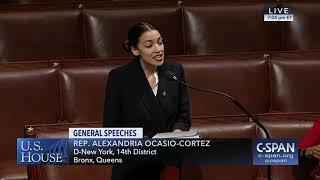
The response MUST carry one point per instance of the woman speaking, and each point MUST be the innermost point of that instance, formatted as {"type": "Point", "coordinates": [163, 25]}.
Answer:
{"type": "Point", "coordinates": [140, 95]}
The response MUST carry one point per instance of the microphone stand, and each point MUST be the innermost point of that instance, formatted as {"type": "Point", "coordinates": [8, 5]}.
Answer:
{"type": "Point", "coordinates": [239, 105]}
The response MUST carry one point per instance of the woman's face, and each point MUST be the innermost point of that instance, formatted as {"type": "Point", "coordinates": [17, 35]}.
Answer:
{"type": "Point", "coordinates": [150, 48]}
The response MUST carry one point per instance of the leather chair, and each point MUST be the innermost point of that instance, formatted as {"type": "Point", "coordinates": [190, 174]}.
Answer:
{"type": "Point", "coordinates": [302, 33]}
{"type": "Point", "coordinates": [41, 33]}
{"type": "Point", "coordinates": [28, 96]}
{"type": "Point", "coordinates": [294, 85]}
{"type": "Point", "coordinates": [107, 26]}
{"type": "Point", "coordinates": [228, 27]}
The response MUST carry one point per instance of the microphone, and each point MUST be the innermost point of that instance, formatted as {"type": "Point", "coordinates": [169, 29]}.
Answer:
{"type": "Point", "coordinates": [172, 76]}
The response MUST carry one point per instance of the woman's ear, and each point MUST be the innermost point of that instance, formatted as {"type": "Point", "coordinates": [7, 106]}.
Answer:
{"type": "Point", "coordinates": [135, 51]}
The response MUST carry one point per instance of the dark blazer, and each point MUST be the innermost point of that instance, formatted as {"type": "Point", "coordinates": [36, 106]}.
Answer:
{"type": "Point", "coordinates": [130, 101]}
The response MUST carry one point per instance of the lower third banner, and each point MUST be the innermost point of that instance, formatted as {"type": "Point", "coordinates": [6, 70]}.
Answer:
{"type": "Point", "coordinates": [89, 151]}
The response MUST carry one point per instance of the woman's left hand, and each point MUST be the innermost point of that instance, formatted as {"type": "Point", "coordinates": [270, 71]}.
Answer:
{"type": "Point", "coordinates": [313, 151]}
{"type": "Point", "coordinates": [316, 151]}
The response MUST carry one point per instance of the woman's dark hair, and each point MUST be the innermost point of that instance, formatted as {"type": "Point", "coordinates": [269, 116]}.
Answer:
{"type": "Point", "coordinates": [134, 34]}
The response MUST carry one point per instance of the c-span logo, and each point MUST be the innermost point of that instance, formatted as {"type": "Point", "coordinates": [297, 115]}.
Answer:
{"type": "Point", "coordinates": [275, 152]}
